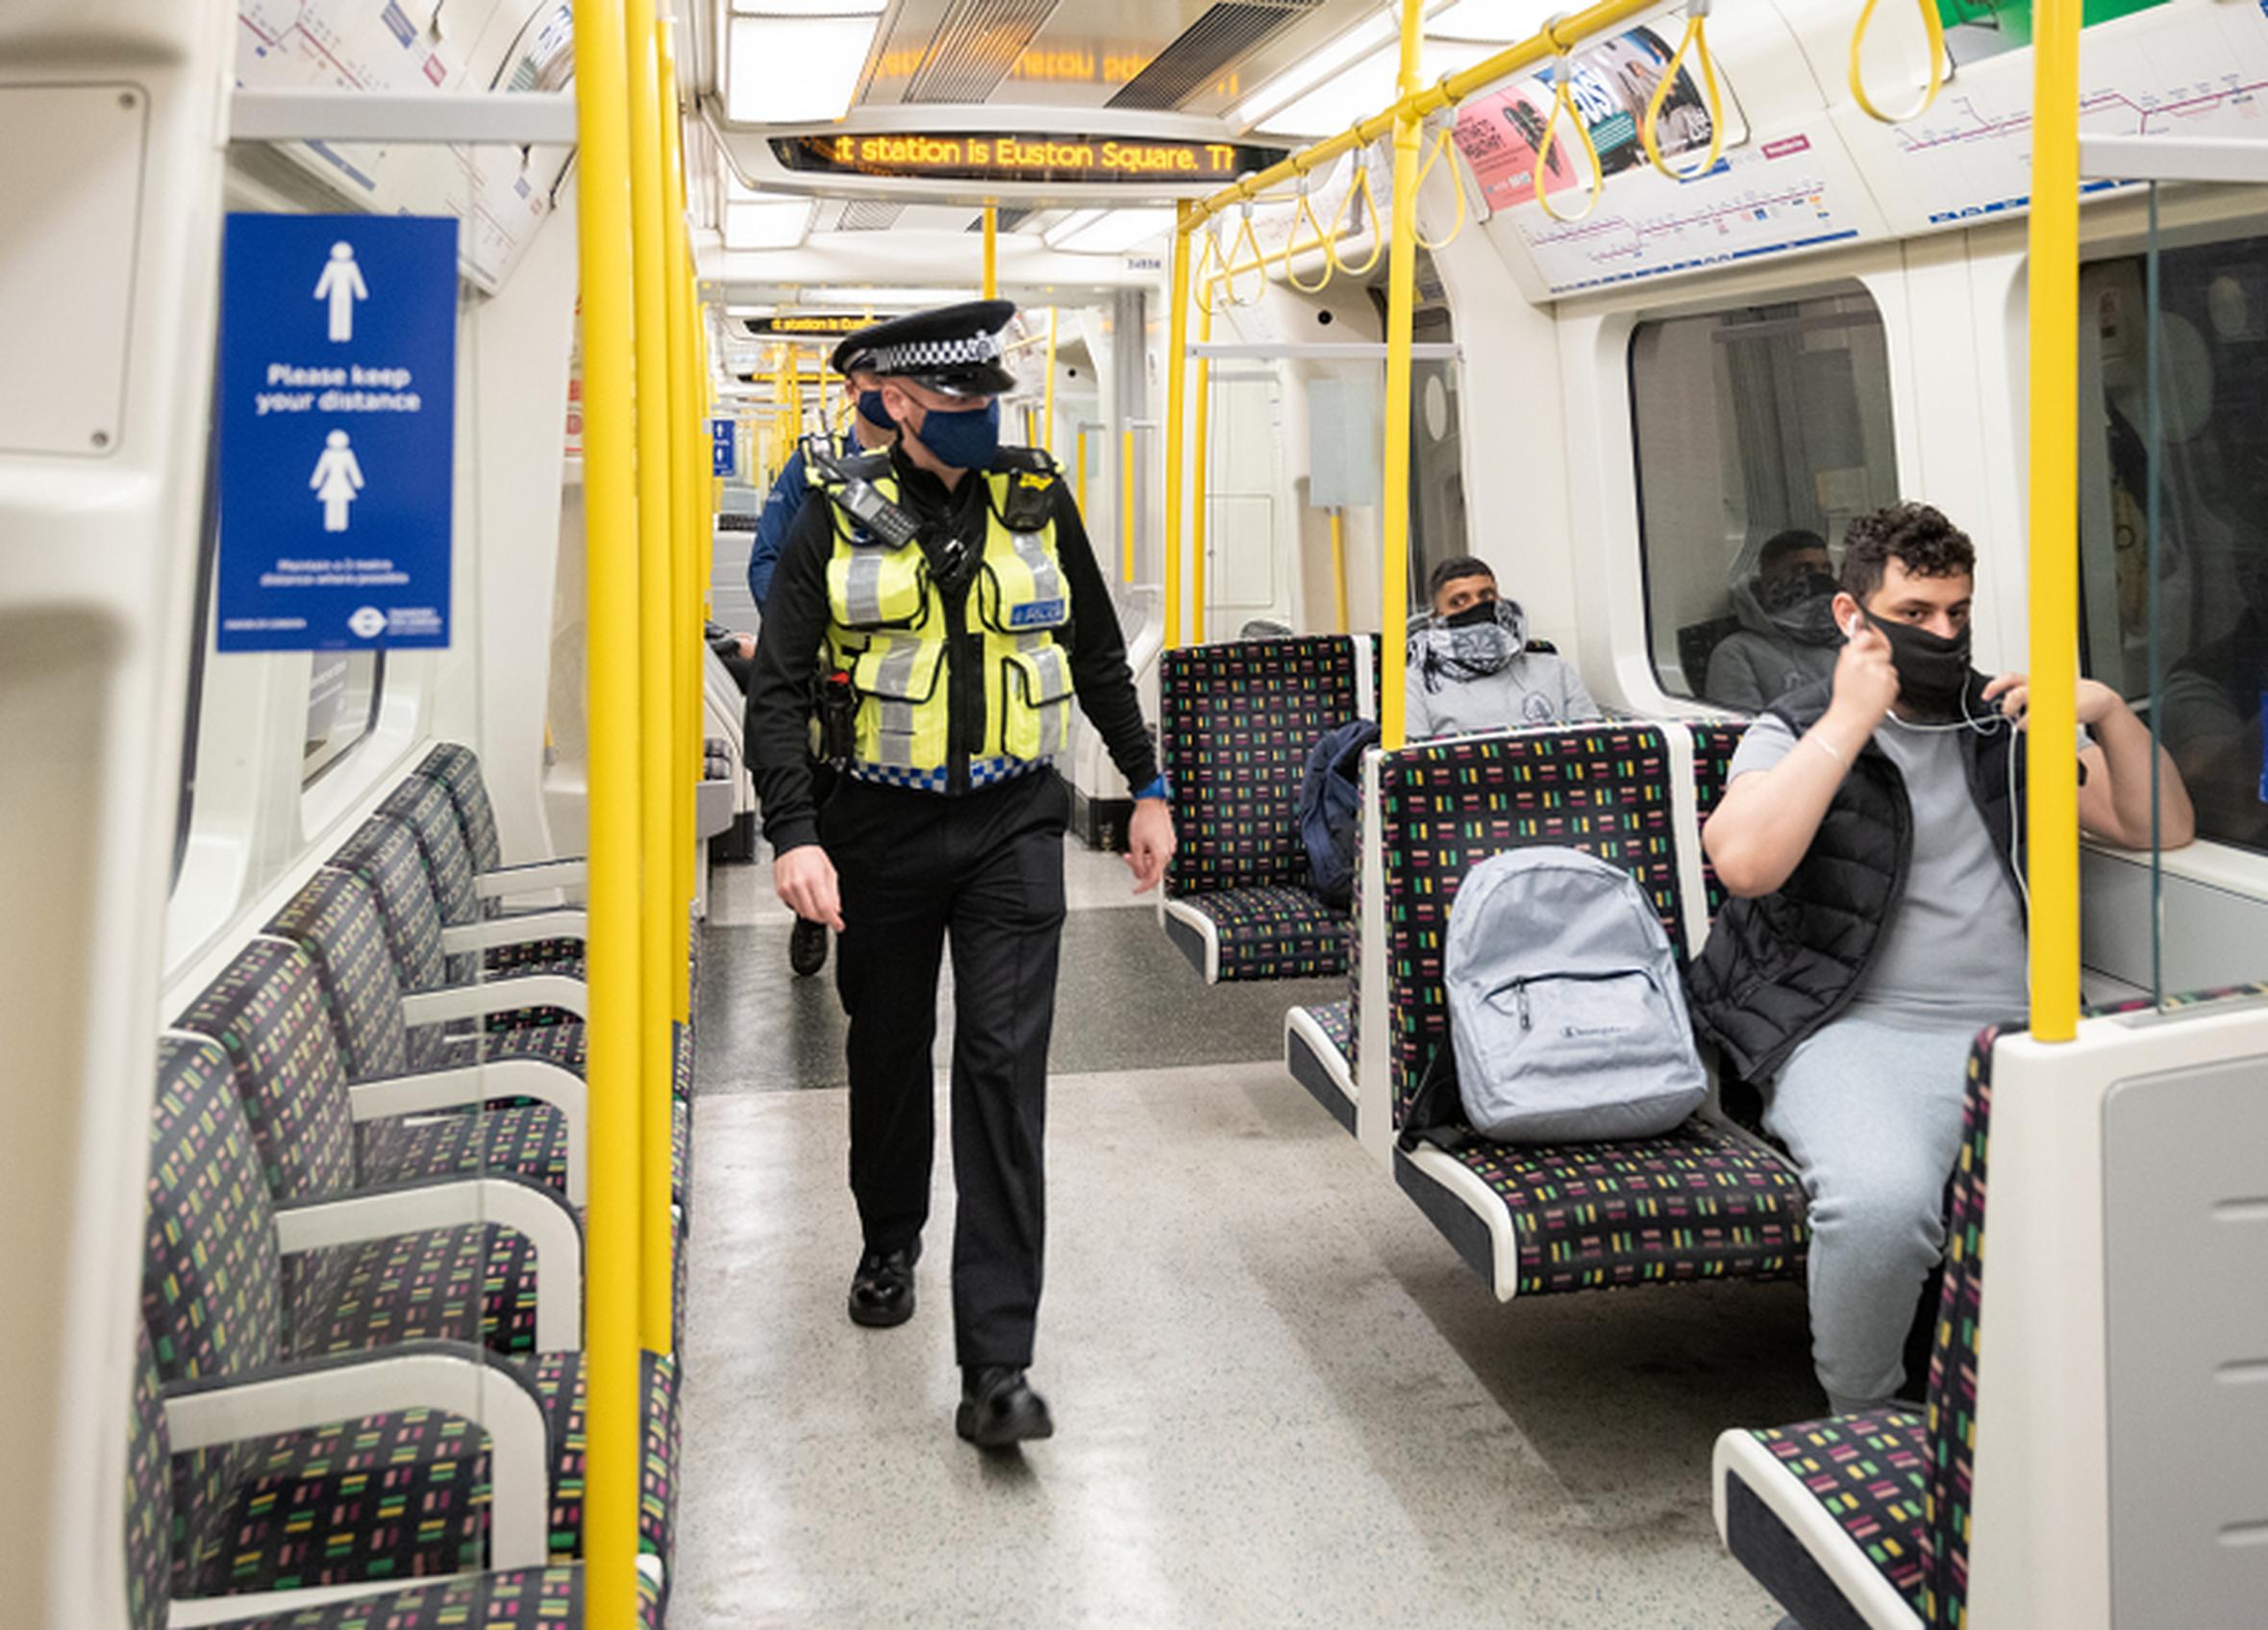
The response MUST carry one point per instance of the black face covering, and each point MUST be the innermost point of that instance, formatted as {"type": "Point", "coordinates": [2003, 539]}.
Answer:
{"type": "Point", "coordinates": [1785, 593]}
{"type": "Point", "coordinates": [1474, 616]}
{"type": "Point", "coordinates": [1932, 670]}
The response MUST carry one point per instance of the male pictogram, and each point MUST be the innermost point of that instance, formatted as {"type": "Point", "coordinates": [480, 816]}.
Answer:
{"type": "Point", "coordinates": [337, 478]}
{"type": "Point", "coordinates": [341, 284]}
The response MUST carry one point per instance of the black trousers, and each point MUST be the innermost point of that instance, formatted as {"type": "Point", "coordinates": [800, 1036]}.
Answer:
{"type": "Point", "coordinates": [988, 872]}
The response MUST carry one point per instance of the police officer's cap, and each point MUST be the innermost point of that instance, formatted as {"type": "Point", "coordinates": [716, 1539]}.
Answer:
{"type": "Point", "coordinates": [954, 349]}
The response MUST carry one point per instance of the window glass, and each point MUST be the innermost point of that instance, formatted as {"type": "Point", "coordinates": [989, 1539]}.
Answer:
{"type": "Point", "coordinates": [2212, 500]}
{"type": "Point", "coordinates": [342, 697]}
{"type": "Point", "coordinates": [1760, 431]}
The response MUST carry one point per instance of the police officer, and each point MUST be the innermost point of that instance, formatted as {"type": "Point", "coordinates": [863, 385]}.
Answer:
{"type": "Point", "coordinates": [870, 428]}
{"type": "Point", "coordinates": [948, 589]}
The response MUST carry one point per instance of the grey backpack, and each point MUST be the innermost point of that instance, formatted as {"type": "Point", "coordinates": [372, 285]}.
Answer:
{"type": "Point", "coordinates": [1565, 1007]}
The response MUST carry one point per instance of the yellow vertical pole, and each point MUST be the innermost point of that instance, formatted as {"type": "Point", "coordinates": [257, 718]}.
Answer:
{"type": "Point", "coordinates": [690, 471]}
{"type": "Point", "coordinates": [1047, 392]}
{"type": "Point", "coordinates": [1079, 482]}
{"type": "Point", "coordinates": [991, 253]}
{"type": "Point", "coordinates": [656, 738]}
{"type": "Point", "coordinates": [609, 498]}
{"type": "Point", "coordinates": [1400, 303]}
{"type": "Point", "coordinates": [2052, 821]}
{"type": "Point", "coordinates": [1338, 567]}
{"type": "Point", "coordinates": [1176, 367]}
{"type": "Point", "coordinates": [1200, 467]}
{"type": "Point", "coordinates": [1125, 507]}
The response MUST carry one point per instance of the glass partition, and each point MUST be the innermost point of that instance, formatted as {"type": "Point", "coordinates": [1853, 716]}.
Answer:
{"type": "Point", "coordinates": [1760, 431]}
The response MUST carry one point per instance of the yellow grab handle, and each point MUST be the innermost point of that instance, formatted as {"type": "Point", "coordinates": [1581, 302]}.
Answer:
{"type": "Point", "coordinates": [1457, 179]}
{"type": "Point", "coordinates": [1307, 210]}
{"type": "Point", "coordinates": [1209, 252]}
{"type": "Point", "coordinates": [1933, 26]}
{"type": "Point", "coordinates": [1564, 102]}
{"type": "Point", "coordinates": [1346, 205]}
{"type": "Point", "coordinates": [1696, 40]}
{"type": "Point", "coordinates": [1236, 267]}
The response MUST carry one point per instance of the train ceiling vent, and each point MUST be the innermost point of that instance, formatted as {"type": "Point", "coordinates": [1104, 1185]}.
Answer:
{"type": "Point", "coordinates": [1010, 219]}
{"type": "Point", "coordinates": [869, 214]}
{"type": "Point", "coordinates": [1207, 50]}
{"type": "Point", "coordinates": [977, 42]}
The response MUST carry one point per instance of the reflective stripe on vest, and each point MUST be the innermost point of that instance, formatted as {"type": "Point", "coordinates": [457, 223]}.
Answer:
{"type": "Point", "coordinates": [887, 628]}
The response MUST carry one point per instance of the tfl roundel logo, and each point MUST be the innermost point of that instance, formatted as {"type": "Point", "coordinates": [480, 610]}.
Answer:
{"type": "Point", "coordinates": [369, 623]}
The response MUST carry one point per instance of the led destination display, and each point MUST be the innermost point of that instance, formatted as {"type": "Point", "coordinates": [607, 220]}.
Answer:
{"type": "Point", "coordinates": [978, 156]}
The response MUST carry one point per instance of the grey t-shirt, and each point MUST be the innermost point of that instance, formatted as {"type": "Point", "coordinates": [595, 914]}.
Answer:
{"type": "Point", "coordinates": [1955, 952]}
{"type": "Point", "coordinates": [1534, 687]}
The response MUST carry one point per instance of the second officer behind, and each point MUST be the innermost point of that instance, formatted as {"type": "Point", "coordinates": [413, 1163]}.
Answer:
{"type": "Point", "coordinates": [949, 603]}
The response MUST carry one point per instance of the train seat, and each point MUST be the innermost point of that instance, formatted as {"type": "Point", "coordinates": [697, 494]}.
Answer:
{"type": "Point", "coordinates": [457, 769]}
{"type": "Point", "coordinates": [1236, 721]}
{"type": "Point", "coordinates": [1319, 1051]}
{"type": "Point", "coordinates": [1706, 1200]}
{"type": "Point", "coordinates": [526, 1599]}
{"type": "Point", "coordinates": [542, 941]}
{"type": "Point", "coordinates": [1863, 1520]}
{"type": "Point", "coordinates": [284, 1438]}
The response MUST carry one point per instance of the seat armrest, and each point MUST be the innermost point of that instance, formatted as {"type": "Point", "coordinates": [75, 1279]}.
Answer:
{"type": "Point", "coordinates": [497, 995]}
{"type": "Point", "coordinates": [469, 1085]}
{"type": "Point", "coordinates": [508, 880]}
{"type": "Point", "coordinates": [472, 1385]}
{"type": "Point", "coordinates": [518, 1203]}
{"type": "Point", "coordinates": [518, 929]}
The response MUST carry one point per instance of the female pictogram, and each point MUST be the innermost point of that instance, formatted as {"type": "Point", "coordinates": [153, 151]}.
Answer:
{"type": "Point", "coordinates": [337, 478]}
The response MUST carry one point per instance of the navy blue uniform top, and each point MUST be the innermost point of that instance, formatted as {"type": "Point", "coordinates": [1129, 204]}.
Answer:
{"type": "Point", "coordinates": [781, 504]}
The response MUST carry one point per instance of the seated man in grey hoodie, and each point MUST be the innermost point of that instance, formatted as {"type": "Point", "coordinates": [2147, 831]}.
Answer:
{"type": "Point", "coordinates": [1788, 634]}
{"type": "Point", "coordinates": [1471, 667]}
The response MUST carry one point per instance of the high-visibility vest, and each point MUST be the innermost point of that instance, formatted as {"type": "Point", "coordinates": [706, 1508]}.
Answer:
{"type": "Point", "coordinates": [890, 628]}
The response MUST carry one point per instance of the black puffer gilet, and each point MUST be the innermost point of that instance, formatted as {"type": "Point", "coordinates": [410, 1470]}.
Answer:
{"type": "Point", "coordinates": [1779, 967]}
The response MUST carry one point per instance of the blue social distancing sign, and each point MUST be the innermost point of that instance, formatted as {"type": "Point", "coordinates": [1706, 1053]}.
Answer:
{"type": "Point", "coordinates": [337, 423]}
{"type": "Point", "coordinates": [721, 447]}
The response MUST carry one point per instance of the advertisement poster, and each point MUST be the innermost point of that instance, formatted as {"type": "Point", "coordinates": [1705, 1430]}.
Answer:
{"type": "Point", "coordinates": [1977, 29]}
{"type": "Point", "coordinates": [1497, 132]}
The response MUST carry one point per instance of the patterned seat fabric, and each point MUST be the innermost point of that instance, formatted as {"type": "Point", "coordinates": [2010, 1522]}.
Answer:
{"type": "Point", "coordinates": [1275, 931]}
{"type": "Point", "coordinates": [527, 1141]}
{"type": "Point", "coordinates": [458, 771]}
{"type": "Point", "coordinates": [424, 807]}
{"type": "Point", "coordinates": [1701, 1202]}
{"type": "Point", "coordinates": [1952, 1421]}
{"type": "Point", "coordinates": [1336, 1020]}
{"type": "Point", "coordinates": [471, 1283]}
{"type": "Point", "coordinates": [1237, 722]}
{"type": "Point", "coordinates": [547, 1598]}
{"type": "Point", "coordinates": [1713, 745]}
{"type": "Point", "coordinates": [149, 1493]}
{"type": "Point", "coordinates": [1868, 1473]}
{"type": "Point", "coordinates": [305, 1509]}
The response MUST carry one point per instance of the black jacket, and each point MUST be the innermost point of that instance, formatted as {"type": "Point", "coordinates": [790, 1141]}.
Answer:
{"type": "Point", "coordinates": [794, 628]}
{"type": "Point", "coordinates": [1779, 967]}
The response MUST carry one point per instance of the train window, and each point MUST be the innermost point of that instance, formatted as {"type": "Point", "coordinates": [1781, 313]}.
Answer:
{"type": "Point", "coordinates": [344, 691]}
{"type": "Point", "coordinates": [1760, 431]}
{"type": "Point", "coordinates": [2212, 493]}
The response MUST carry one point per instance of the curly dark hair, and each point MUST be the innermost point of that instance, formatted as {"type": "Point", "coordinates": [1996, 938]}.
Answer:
{"type": "Point", "coordinates": [1918, 537]}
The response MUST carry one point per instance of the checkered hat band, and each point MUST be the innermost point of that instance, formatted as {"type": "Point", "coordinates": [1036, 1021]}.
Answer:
{"type": "Point", "coordinates": [920, 354]}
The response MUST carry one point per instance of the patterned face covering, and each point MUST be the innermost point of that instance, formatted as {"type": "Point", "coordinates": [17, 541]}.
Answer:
{"type": "Point", "coordinates": [1801, 607]}
{"type": "Point", "coordinates": [1477, 641]}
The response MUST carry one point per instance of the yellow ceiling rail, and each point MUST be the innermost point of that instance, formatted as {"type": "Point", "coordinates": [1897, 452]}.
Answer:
{"type": "Point", "coordinates": [1561, 34]}
{"type": "Point", "coordinates": [1197, 478]}
{"type": "Point", "coordinates": [991, 253]}
{"type": "Point", "coordinates": [609, 498]}
{"type": "Point", "coordinates": [2051, 847]}
{"type": "Point", "coordinates": [1177, 352]}
{"type": "Point", "coordinates": [1695, 38]}
{"type": "Point", "coordinates": [1564, 102]}
{"type": "Point", "coordinates": [657, 804]}
{"type": "Point", "coordinates": [1346, 205]}
{"type": "Point", "coordinates": [1934, 30]}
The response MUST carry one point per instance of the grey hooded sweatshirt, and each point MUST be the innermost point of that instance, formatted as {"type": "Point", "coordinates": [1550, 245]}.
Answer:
{"type": "Point", "coordinates": [1758, 664]}
{"type": "Point", "coordinates": [1530, 687]}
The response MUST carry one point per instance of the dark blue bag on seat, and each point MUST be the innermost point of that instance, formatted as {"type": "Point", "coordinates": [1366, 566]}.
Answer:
{"type": "Point", "coordinates": [1330, 795]}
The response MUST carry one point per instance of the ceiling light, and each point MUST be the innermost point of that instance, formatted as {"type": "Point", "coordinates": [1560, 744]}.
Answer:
{"type": "Point", "coordinates": [796, 68]}
{"type": "Point", "coordinates": [1312, 70]}
{"type": "Point", "coordinates": [860, 298]}
{"type": "Point", "coordinates": [1107, 232]}
{"type": "Point", "coordinates": [767, 223]}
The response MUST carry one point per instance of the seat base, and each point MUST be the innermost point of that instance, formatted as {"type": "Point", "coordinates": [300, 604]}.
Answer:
{"type": "Point", "coordinates": [1827, 1516]}
{"type": "Point", "coordinates": [1265, 931]}
{"type": "Point", "coordinates": [1312, 1052]}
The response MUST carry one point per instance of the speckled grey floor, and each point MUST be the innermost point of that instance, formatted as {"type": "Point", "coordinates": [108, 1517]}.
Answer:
{"type": "Point", "coordinates": [1281, 1398]}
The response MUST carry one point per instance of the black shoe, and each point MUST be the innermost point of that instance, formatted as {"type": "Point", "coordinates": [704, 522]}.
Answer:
{"type": "Point", "coordinates": [881, 1290]}
{"type": "Point", "coordinates": [806, 947]}
{"type": "Point", "coordinates": [999, 1409]}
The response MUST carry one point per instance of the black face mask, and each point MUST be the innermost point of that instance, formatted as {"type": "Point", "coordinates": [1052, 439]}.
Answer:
{"type": "Point", "coordinates": [1474, 616]}
{"type": "Point", "coordinates": [1932, 670]}
{"type": "Point", "coordinates": [1785, 593]}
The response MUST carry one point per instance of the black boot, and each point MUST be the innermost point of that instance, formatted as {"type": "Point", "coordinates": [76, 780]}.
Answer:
{"type": "Point", "coordinates": [806, 947]}
{"type": "Point", "coordinates": [999, 1409]}
{"type": "Point", "coordinates": [881, 1290]}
